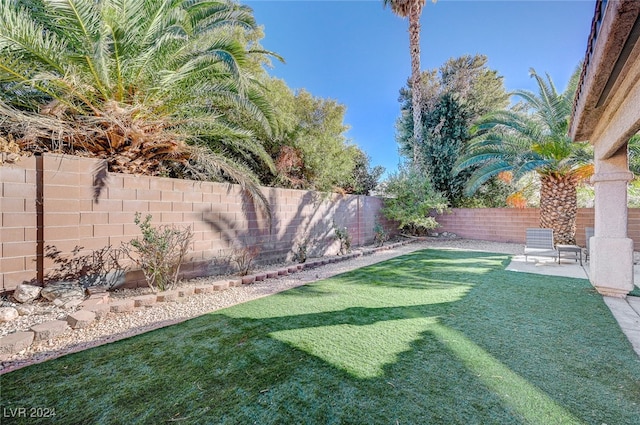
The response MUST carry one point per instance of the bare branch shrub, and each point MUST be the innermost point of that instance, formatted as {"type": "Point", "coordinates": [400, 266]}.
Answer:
{"type": "Point", "coordinates": [159, 253]}
{"type": "Point", "coordinates": [242, 258]}
{"type": "Point", "coordinates": [301, 250]}
{"type": "Point", "coordinates": [343, 236]}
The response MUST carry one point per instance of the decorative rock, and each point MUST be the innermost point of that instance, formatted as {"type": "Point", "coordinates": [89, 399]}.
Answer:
{"type": "Point", "coordinates": [235, 282]}
{"type": "Point", "coordinates": [144, 300]}
{"type": "Point", "coordinates": [94, 290]}
{"type": "Point", "coordinates": [260, 277]}
{"type": "Point", "coordinates": [81, 319]}
{"type": "Point", "coordinates": [15, 342]}
{"type": "Point", "coordinates": [292, 269]}
{"type": "Point", "coordinates": [203, 289]}
{"type": "Point", "coordinates": [246, 280]}
{"type": "Point", "coordinates": [219, 286]}
{"type": "Point", "coordinates": [271, 275]}
{"type": "Point", "coordinates": [167, 296]}
{"type": "Point", "coordinates": [48, 330]}
{"type": "Point", "coordinates": [102, 298]}
{"type": "Point", "coordinates": [63, 294]}
{"type": "Point", "coordinates": [25, 309]}
{"type": "Point", "coordinates": [186, 291]}
{"type": "Point", "coordinates": [8, 314]}
{"type": "Point", "coordinates": [91, 302]}
{"type": "Point", "coordinates": [26, 293]}
{"type": "Point", "coordinates": [121, 306]}
{"type": "Point", "coordinates": [283, 272]}
{"type": "Point", "coordinates": [70, 303]}
{"type": "Point", "coordinates": [100, 310]}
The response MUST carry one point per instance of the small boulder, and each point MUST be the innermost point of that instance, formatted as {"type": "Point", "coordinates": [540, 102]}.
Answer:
{"type": "Point", "coordinates": [8, 314]}
{"type": "Point", "coordinates": [81, 319]}
{"type": "Point", "coordinates": [15, 342]}
{"type": "Point", "coordinates": [235, 282]}
{"type": "Point", "coordinates": [144, 300]}
{"type": "Point", "coordinates": [100, 310]}
{"type": "Point", "coordinates": [25, 309]}
{"type": "Point", "coordinates": [26, 293]}
{"type": "Point", "coordinates": [122, 306]}
{"type": "Point", "coordinates": [48, 330]}
{"type": "Point", "coordinates": [64, 294]}
{"type": "Point", "coordinates": [167, 296]}
{"type": "Point", "coordinates": [203, 289]}
{"type": "Point", "coordinates": [221, 285]}
{"type": "Point", "coordinates": [246, 280]}
{"type": "Point", "coordinates": [186, 291]}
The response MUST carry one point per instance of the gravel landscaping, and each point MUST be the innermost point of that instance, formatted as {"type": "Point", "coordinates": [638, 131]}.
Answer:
{"type": "Point", "coordinates": [114, 326]}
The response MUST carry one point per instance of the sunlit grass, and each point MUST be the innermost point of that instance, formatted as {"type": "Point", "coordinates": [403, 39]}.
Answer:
{"type": "Point", "coordinates": [433, 337]}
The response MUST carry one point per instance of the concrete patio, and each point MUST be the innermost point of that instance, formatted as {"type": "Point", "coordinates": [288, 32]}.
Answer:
{"type": "Point", "coordinates": [625, 310]}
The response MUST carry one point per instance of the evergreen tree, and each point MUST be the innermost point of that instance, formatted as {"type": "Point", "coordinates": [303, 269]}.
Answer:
{"type": "Point", "coordinates": [453, 97]}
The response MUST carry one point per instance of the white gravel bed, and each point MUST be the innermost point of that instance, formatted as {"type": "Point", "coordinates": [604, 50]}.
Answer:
{"type": "Point", "coordinates": [115, 326]}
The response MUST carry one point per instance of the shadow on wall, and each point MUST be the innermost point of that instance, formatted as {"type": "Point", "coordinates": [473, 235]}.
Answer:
{"type": "Point", "coordinates": [74, 202]}
{"type": "Point", "coordinates": [302, 220]}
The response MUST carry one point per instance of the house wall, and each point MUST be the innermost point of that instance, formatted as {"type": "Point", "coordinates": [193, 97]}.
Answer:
{"type": "Point", "coordinates": [72, 211]}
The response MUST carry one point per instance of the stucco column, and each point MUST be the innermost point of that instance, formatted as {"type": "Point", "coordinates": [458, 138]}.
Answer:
{"type": "Point", "coordinates": [611, 251]}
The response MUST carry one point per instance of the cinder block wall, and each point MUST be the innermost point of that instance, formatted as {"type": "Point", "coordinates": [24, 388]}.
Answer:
{"type": "Point", "coordinates": [509, 224]}
{"type": "Point", "coordinates": [221, 216]}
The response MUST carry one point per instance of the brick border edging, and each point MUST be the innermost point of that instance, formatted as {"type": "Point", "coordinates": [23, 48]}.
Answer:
{"type": "Point", "coordinates": [172, 297]}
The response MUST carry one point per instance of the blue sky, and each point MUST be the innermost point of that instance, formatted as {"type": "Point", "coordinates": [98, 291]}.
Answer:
{"type": "Point", "coordinates": [357, 52]}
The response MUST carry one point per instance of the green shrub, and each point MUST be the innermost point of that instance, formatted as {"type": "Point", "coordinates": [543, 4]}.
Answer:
{"type": "Point", "coordinates": [343, 236]}
{"type": "Point", "coordinates": [301, 250]}
{"type": "Point", "coordinates": [410, 200]}
{"type": "Point", "coordinates": [159, 253]}
{"type": "Point", "coordinates": [380, 236]}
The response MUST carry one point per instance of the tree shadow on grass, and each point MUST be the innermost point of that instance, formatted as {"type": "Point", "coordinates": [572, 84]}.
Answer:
{"type": "Point", "coordinates": [486, 355]}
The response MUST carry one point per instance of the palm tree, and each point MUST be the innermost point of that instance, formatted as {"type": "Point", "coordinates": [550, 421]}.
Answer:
{"type": "Point", "coordinates": [138, 83]}
{"type": "Point", "coordinates": [412, 9]}
{"type": "Point", "coordinates": [532, 136]}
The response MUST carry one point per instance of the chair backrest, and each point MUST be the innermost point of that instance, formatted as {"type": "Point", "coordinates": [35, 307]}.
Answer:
{"type": "Point", "coordinates": [539, 238]}
{"type": "Point", "coordinates": [588, 232]}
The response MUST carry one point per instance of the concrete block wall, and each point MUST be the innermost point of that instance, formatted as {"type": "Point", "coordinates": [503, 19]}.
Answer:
{"type": "Point", "coordinates": [18, 234]}
{"type": "Point", "coordinates": [509, 224]}
{"type": "Point", "coordinates": [221, 216]}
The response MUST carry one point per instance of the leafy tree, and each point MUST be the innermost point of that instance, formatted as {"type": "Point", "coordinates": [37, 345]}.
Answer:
{"type": "Point", "coordinates": [364, 178]}
{"type": "Point", "coordinates": [519, 141]}
{"type": "Point", "coordinates": [412, 9]}
{"type": "Point", "coordinates": [139, 83]}
{"type": "Point", "coordinates": [310, 148]}
{"type": "Point", "coordinates": [456, 95]}
{"type": "Point", "coordinates": [410, 200]}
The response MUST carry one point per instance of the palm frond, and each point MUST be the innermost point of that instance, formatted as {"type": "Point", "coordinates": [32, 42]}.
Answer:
{"type": "Point", "coordinates": [484, 174]}
{"type": "Point", "coordinates": [81, 22]}
{"type": "Point", "coordinates": [24, 37]}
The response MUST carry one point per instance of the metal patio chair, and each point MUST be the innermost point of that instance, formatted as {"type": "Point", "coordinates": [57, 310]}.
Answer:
{"type": "Point", "coordinates": [539, 243]}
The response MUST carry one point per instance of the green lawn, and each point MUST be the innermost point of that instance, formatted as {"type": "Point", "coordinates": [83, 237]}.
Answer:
{"type": "Point", "coordinates": [433, 337]}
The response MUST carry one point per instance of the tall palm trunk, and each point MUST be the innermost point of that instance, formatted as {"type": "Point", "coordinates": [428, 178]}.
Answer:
{"type": "Point", "coordinates": [559, 206]}
{"type": "Point", "coordinates": [414, 47]}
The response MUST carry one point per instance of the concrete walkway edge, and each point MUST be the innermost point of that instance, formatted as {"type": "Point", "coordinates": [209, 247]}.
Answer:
{"type": "Point", "coordinates": [627, 317]}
